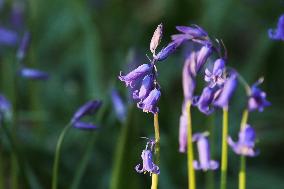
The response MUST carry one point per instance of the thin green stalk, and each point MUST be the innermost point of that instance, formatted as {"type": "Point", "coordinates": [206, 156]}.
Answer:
{"type": "Point", "coordinates": [242, 172]}
{"type": "Point", "coordinates": [120, 154]}
{"type": "Point", "coordinates": [224, 160]}
{"type": "Point", "coordinates": [155, 177]}
{"type": "Point", "coordinates": [2, 163]}
{"type": "Point", "coordinates": [190, 155]}
{"type": "Point", "coordinates": [210, 182]}
{"type": "Point", "coordinates": [57, 156]}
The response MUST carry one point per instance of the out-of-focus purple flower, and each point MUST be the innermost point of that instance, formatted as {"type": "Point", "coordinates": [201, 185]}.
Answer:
{"type": "Point", "coordinates": [17, 14]}
{"type": "Point", "coordinates": [156, 38]}
{"type": "Point", "coordinates": [89, 108]}
{"type": "Point", "coordinates": [149, 104]}
{"type": "Point", "coordinates": [257, 99]}
{"type": "Point", "coordinates": [148, 164]}
{"type": "Point", "coordinates": [8, 37]}
{"type": "Point", "coordinates": [24, 46]}
{"type": "Point", "coordinates": [5, 107]}
{"type": "Point", "coordinates": [278, 33]}
{"type": "Point", "coordinates": [195, 31]}
{"type": "Point", "coordinates": [227, 91]}
{"type": "Point", "coordinates": [203, 55]}
{"type": "Point", "coordinates": [118, 105]}
{"type": "Point", "coordinates": [189, 73]}
{"type": "Point", "coordinates": [246, 143]}
{"type": "Point", "coordinates": [205, 163]}
{"type": "Point", "coordinates": [33, 74]}
{"type": "Point", "coordinates": [217, 75]}
{"type": "Point", "coordinates": [165, 52]}
{"type": "Point", "coordinates": [146, 87]}
{"type": "Point", "coordinates": [84, 125]}
{"type": "Point", "coordinates": [205, 100]}
{"type": "Point", "coordinates": [183, 124]}
{"type": "Point", "coordinates": [136, 74]}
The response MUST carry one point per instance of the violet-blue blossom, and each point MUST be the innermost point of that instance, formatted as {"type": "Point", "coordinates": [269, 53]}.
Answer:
{"type": "Point", "coordinates": [118, 105]}
{"type": "Point", "coordinates": [8, 37]}
{"type": "Point", "coordinates": [203, 55]}
{"type": "Point", "coordinates": [5, 104]}
{"type": "Point", "coordinates": [227, 91]}
{"type": "Point", "coordinates": [278, 33]}
{"type": "Point", "coordinates": [204, 102]}
{"type": "Point", "coordinates": [33, 74]}
{"type": "Point", "coordinates": [245, 144]}
{"type": "Point", "coordinates": [257, 99]}
{"type": "Point", "coordinates": [148, 165]}
{"type": "Point", "coordinates": [146, 87]}
{"type": "Point", "coordinates": [205, 163]}
{"type": "Point", "coordinates": [165, 52]}
{"type": "Point", "coordinates": [17, 14]}
{"type": "Point", "coordinates": [216, 77]}
{"type": "Point", "coordinates": [136, 74]}
{"type": "Point", "coordinates": [194, 31]}
{"type": "Point", "coordinates": [24, 46]}
{"type": "Point", "coordinates": [149, 104]}
{"type": "Point", "coordinates": [84, 125]}
{"type": "Point", "coordinates": [189, 73]}
{"type": "Point", "coordinates": [89, 108]}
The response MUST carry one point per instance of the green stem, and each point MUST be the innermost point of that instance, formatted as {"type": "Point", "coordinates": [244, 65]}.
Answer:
{"type": "Point", "coordinates": [210, 182]}
{"type": "Point", "coordinates": [224, 160]}
{"type": "Point", "coordinates": [242, 172]}
{"type": "Point", "coordinates": [57, 156]}
{"type": "Point", "coordinates": [2, 163]}
{"type": "Point", "coordinates": [190, 155]}
{"type": "Point", "coordinates": [120, 153]}
{"type": "Point", "coordinates": [155, 178]}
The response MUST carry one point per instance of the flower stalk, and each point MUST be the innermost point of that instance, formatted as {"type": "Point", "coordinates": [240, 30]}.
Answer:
{"type": "Point", "coordinates": [57, 156]}
{"type": "Point", "coordinates": [242, 171]}
{"type": "Point", "coordinates": [190, 155]}
{"type": "Point", "coordinates": [155, 177]}
{"type": "Point", "coordinates": [224, 159]}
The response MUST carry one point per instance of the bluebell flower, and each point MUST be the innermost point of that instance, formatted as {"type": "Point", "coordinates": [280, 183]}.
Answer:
{"type": "Point", "coordinates": [245, 144]}
{"type": "Point", "coordinates": [195, 31]}
{"type": "Point", "coordinates": [136, 74]}
{"type": "Point", "coordinates": [148, 164]}
{"type": "Point", "coordinates": [183, 124]}
{"type": "Point", "coordinates": [84, 125]}
{"type": "Point", "coordinates": [17, 14]}
{"type": "Point", "coordinates": [89, 108]}
{"type": "Point", "coordinates": [149, 104]}
{"type": "Point", "coordinates": [226, 92]}
{"type": "Point", "coordinates": [5, 106]}
{"type": "Point", "coordinates": [118, 105]}
{"type": "Point", "coordinates": [25, 42]}
{"type": "Point", "coordinates": [204, 102]}
{"type": "Point", "coordinates": [203, 55]}
{"type": "Point", "coordinates": [146, 87]}
{"type": "Point", "coordinates": [165, 52]}
{"type": "Point", "coordinates": [8, 37]}
{"type": "Point", "coordinates": [217, 76]}
{"type": "Point", "coordinates": [189, 73]}
{"type": "Point", "coordinates": [278, 33]}
{"type": "Point", "coordinates": [205, 163]}
{"type": "Point", "coordinates": [33, 74]}
{"type": "Point", "coordinates": [257, 99]}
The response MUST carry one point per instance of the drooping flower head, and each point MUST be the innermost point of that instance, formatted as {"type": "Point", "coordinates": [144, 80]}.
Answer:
{"type": "Point", "coordinates": [8, 37]}
{"type": "Point", "coordinates": [205, 163]}
{"type": "Point", "coordinates": [165, 52]}
{"type": "Point", "coordinates": [147, 160]}
{"type": "Point", "coordinates": [149, 104]}
{"type": "Point", "coordinates": [89, 108]}
{"type": "Point", "coordinates": [278, 33]}
{"type": "Point", "coordinates": [33, 74]}
{"type": "Point", "coordinates": [257, 99]}
{"type": "Point", "coordinates": [5, 106]}
{"type": "Point", "coordinates": [216, 77]}
{"type": "Point", "coordinates": [245, 144]}
{"type": "Point", "coordinates": [204, 102]}
{"type": "Point", "coordinates": [136, 74]}
{"type": "Point", "coordinates": [146, 87]}
{"type": "Point", "coordinates": [225, 93]}
{"type": "Point", "coordinates": [118, 105]}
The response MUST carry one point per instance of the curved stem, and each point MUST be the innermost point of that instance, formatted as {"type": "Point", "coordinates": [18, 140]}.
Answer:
{"type": "Point", "coordinates": [57, 156]}
{"type": "Point", "coordinates": [190, 155]}
{"type": "Point", "coordinates": [242, 172]}
{"type": "Point", "coordinates": [155, 177]}
{"type": "Point", "coordinates": [224, 160]}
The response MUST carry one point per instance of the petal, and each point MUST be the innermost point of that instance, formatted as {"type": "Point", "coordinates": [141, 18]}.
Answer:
{"type": "Point", "coordinates": [214, 165]}
{"type": "Point", "coordinates": [88, 108]}
{"type": "Point", "coordinates": [84, 125]}
{"type": "Point", "coordinates": [33, 74]}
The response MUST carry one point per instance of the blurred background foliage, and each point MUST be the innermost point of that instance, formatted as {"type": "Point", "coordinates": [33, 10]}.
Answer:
{"type": "Point", "coordinates": [84, 44]}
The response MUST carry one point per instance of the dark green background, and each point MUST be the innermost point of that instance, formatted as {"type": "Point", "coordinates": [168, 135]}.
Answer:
{"type": "Point", "coordinates": [84, 44]}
